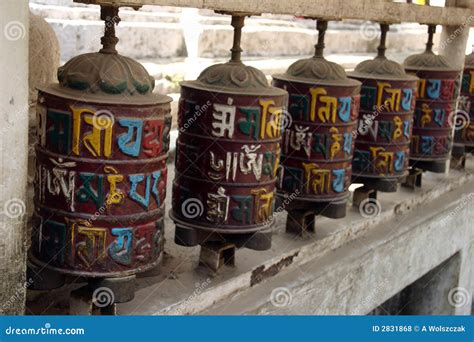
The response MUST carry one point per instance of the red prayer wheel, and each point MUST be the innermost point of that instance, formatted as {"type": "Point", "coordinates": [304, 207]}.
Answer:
{"type": "Point", "coordinates": [227, 155]}
{"type": "Point", "coordinates": [318, 142]}
{"type": "Point", "coordinates": [464, 122]}
{"type": "Point", "coordinates": [435, 110]}
{"type": "Point", "coordinates": [103, 140]}
{"type": "Point", "coordinates": [387, 104]}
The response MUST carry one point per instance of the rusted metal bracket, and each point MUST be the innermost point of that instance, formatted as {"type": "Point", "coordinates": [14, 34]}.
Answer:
{"type": "Point", "coordinates": [458, 157]}
{"type": "Point", "coordinates": [81, 303]}
{"type": "Point", "coordinates": [414, 178]}
{"type": "Point", "coordinates": [361, 194]}
{"type": "Point", "coordinates": [301, 222]}
{"type": "Point", "coordinates": [100, 296]}
{"type": "Point", "coordinates": [216, 254]}
{"type": "Point", "coordinates": [458, 162]}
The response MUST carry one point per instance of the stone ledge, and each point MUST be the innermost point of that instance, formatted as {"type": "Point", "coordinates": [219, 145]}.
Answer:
{"type": "Point", "coordinates": [334, 249]}
{"type": "Point", "coordinates": [332, 273]}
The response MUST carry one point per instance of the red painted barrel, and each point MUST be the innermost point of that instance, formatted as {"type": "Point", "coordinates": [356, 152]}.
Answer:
{"type": "Point", "coordinates": [100, 187]}
{"type": "Point", "coordinates": [437, 94]}
{"type": "Point", "coordinates": [385, 123]}
{"type": "Point", "coordinates": [318, 142]}
{"type": "Point", "coordinates": [464, 122]}
{"type": "Point", "coordinates": [227, 155]}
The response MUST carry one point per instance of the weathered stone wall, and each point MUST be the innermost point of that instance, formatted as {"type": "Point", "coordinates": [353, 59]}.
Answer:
{"type": "Point", "coordinates": [13, 153]}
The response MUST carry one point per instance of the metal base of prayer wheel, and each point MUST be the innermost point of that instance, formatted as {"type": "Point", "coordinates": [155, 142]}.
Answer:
{"type": "Point", "coordinates": [414, 179]}
{"type": "Point", "coordinates": [302, 214]}
{"type": "Point", "coordinates": [43, 279]}
{"type": "Point", "coordinates": [216, 254]}
{"type": "Point", "coordinates": [99, 296]}
{"type": "Point", "coordinates": [437, 166]}
{"type": "Point", "coordinates": [227, 157]}
{"type": "Point", "coordinates": [361, 194]}
{"type": "Point", "coordinates": [188, 236]}
{"type": "Point", "coordinates": [378, 184]}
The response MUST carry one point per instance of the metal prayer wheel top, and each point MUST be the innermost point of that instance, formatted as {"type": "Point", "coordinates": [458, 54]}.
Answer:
{"type": "Point", "coordinates": [435, 108]}
{"type": "Point", "coordinates": [227, 153]}
{"type": "Point", "coordinates": [234, 76]}
{"type": "Point", "coordinates": [385, 121]}
{"type": "Point", "coordinates": [103, 140]}
{"type": "Point", "coordinates": [317, 146]}
{"type": "Point", "coordinates": [464, 121]}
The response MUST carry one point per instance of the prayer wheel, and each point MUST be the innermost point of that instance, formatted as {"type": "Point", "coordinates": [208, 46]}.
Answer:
{"type": "Point", "coordinates": [464, 122]}
{"type": "Point", "coordinates": [227, 156]}
{"type": "Point", "coordinates": [435, 109]}
{"type": "Point", "coordinates": [387, 103]}
{"type": "Point", "coordinates": [103, 140]}
{"type": "Point", "coordinates": [318, 142]}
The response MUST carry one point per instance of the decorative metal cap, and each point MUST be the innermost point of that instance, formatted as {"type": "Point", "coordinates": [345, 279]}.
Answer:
{"type": "Point", "coordinates": [317, 68]}
{"type": "Point", "coordinates": [380, 66]}
{"type": "Point", "coordinates": [234, 76]}
{"type": "Point", "coordinates": [428, 60]}
{"type": "Point", "coordinates": [106, 72]}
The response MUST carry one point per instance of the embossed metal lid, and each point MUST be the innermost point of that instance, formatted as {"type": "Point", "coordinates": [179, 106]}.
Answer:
{"type": "Point", "coordinates": [381, 67]}
{"type": "Point", "coordinates": [428, 60]}
{"type": "Point", "coordinates": [234, 76]}
{"type": "Point", "coordinates": [106, 76]}
{"type": "Point", "coordinates": [317, 69]}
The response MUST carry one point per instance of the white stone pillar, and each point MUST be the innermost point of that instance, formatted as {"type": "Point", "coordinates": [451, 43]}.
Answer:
{"type": "Point", "coordinates": [453, 39]}
{"type": "Point", "coordinates": [13, 152]}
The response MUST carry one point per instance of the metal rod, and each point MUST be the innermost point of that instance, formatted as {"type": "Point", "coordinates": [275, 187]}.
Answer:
{"type": "Point", "coordinates": [237, 23]}
{"type": "Point", "coordinates": [110, 16]}
{"type": "Point", "coordinates": [429, 43]}
{"type": "Point", "coordinates": [383, 37]}
{"type": "Point", "coordinates": [321, 26]}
